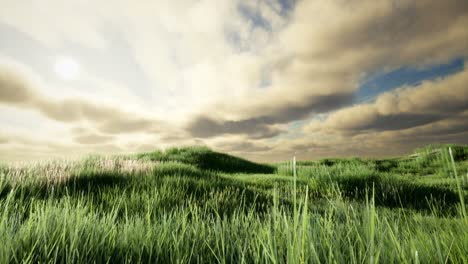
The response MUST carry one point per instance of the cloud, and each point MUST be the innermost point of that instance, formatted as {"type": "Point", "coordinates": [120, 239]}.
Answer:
{"type": "Point", "coordinates": [378, 33]}
{"type": "Point", "coordinates": [17, 90]}
{"type": "Point", "coordinates": [205, 127]}
{"type": "Point", "coordinates": [13, 91]}
{"type": "Point", "coordinates": [404, 108]}
{"type": "Point", "coordinates": [316, 62]}
{"type": "Point", "coordinates": [262, 125]}
{"type": "Point", "coordinates": [454, 125]}
{"type": "Point", "coordinates": [21, 147]}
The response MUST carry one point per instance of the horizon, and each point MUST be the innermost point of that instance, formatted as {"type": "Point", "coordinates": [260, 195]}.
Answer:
{"type": "Point", "coordinates": [263, 80]}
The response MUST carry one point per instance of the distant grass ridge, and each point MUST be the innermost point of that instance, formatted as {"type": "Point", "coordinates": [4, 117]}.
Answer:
{"type": "Point", "coordinates": [429, 160]}
{"type": "Point", "coordinates": [207, 159]}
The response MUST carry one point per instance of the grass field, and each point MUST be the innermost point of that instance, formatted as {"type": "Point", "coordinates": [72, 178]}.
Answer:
{"type": "Point", "coordinates": [194, 205]}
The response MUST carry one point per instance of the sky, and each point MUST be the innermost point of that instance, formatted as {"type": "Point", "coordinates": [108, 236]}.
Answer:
{"type": "Point", "coordinates": [262, 79]}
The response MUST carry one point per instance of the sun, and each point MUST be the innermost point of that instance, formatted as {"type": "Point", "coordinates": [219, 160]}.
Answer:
{"type": "Point", "coordinates": [67, 68]}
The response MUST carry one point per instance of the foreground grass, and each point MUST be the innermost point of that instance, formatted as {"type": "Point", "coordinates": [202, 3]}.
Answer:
{"type": "Point", "coordinates": [166, 207]}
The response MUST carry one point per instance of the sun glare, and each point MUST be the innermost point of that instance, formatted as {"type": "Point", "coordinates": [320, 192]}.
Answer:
{"type": "Point", "coordinates": [67, 68]}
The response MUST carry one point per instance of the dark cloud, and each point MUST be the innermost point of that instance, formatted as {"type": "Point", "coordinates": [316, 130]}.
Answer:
{"type": "Point", "coordinates": [312, 104]}
{"type": "Point", "coordinates": [13, 89]}
{"type": "Point", "coordinates": [451, 126]}
{"type": "Point", "coordinates": [205, 127]}
{"type": "Point", "coordinates": [262, 126]}
{"type": "Point", "coordinates": [398, 121]}
{"type": "Point", "coordinates": [457, 126]}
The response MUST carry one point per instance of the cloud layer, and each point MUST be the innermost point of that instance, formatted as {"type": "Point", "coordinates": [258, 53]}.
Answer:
{"type": "Point", "coordinates": [258, 78]}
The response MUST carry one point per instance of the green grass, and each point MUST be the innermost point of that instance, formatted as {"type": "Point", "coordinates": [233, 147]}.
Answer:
{"type": "Point", "coordinates": [195, 205]}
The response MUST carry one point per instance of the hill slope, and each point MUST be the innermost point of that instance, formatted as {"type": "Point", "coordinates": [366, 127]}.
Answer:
{"type": "Point", "coordinates": [205, 158]}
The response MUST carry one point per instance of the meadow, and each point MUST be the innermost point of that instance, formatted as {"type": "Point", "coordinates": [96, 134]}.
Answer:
{"type": "Point", "coordinates": [195, 205]}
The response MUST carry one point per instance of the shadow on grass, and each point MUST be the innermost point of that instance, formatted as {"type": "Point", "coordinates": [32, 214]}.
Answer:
{"type": "Point", "coordinates": [95, 181]}
{"type": "Point", "coordinates": [170, 187]}
{"type": "Point", "coordinates": [399, 193]}
{"type": "Point", "coordinates": [79, 184]}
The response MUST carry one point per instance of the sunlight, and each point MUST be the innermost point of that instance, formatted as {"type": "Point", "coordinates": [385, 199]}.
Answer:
{"type": "Point", "coordinates": [67, 68]}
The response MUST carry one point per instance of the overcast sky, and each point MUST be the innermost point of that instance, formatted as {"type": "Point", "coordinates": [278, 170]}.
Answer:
{"type": "Point", "coordinates": [264, 79]}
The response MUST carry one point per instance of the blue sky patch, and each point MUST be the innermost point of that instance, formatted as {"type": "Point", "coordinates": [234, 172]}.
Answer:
{"type": "Point", "coordinates": [254, 17]}
{"type": "Point", "coordinates": [411, 76]}
{"type": "Point", "coordinates": [286, 6]}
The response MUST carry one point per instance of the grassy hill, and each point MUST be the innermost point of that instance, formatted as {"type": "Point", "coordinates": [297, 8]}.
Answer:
{"type": "Point", "coordinates": [206, 159]}
{"type": "Point", "coordinates": [195, 205]}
